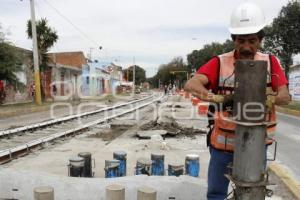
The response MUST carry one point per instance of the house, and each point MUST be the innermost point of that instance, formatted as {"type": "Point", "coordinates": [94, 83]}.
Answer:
{"type": "Point", "coordinates": [62, 78]}
{"type": "Point", "coordinates": [95, 79]}
{"type": "Point", "coordinates": [294, 82]}
{"type": "Point", "coordinates": [116, 76]}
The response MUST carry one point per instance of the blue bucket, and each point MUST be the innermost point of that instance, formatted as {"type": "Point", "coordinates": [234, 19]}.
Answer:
{"type": "Point", "coordinates": [158, 166]}
{"type": "Point", "coordinates": [122, 157]}
{"type": "Point", "coordinates": [112, 168]}
{"type": "Point", "coordinates": [143, 166]}
{"type": "Point", "coordinates": [192, 165]}
{"type": "Point", "coordinates": [175, 169]}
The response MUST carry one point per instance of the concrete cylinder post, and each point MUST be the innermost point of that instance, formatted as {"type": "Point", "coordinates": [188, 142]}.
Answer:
{"type": "Point", "coordinates": [43, 193]}
{"type": "Point", "coordinates": [146, 193]}
{"type": "Point", "coordinates": [115, 192]}
{"type": "Point", "coordinates": [249, 110]}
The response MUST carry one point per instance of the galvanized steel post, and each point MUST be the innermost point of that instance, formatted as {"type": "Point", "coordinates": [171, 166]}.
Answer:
{"type": "Point", "coordinates": [249, 110]}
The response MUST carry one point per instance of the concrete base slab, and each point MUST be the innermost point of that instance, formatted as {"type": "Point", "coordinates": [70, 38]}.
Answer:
{"type": "Point", "coordinates": [24, 182]}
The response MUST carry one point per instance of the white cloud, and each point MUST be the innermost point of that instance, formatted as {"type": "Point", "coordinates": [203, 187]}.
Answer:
{"type": "Point", "coordinates": [152, 31]}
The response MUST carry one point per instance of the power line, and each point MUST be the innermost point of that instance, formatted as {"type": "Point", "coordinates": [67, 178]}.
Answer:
{"type": "Point", "coordinates": [70, 22]}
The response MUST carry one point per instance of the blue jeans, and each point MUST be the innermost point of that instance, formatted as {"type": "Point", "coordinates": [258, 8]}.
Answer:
{"type": "Point", "coordinates": [217, 182]}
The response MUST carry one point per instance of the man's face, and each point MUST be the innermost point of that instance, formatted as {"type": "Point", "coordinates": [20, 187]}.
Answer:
{"type": "Point", "coordinates": [246, 46]}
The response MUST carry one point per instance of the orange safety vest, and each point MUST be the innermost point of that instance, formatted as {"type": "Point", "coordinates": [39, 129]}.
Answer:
{"type": "Point", "coordinates": [222, 135]}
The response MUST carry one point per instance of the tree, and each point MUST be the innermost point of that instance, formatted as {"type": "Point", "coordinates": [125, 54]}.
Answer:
{"type": "Point", "coordinates": [46, 38]}
{"type": "Point", "coordinates": [9, 60]}
{"type": "Point", "coordinates": [283, 35]}
{"type": "Point", "coordinates": [140, 74]}
{"type": "Point", "coordinates": [174, 72]}
{"type": "Point", "coordinates": [199, 57]}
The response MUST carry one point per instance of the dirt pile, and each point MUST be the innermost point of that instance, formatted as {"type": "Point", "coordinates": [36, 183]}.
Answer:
{"type": "Point", "coordinates": [173, 129]}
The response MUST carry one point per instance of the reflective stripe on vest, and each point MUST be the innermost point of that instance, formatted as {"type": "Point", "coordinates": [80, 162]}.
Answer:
{"type": "Point", "coordinates": [222, 136]}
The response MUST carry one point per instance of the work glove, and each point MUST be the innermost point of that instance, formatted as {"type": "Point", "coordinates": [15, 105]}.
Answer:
{"type": "Point", "coordinates": [271, 96]}
{"type": "Point", "coordinates": [270, 102]}
{"type": "Point", "coordinates": [225, 101]}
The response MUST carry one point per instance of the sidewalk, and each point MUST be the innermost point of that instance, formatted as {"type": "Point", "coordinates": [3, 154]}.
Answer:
{"type": "Point", "coordinates": [27, 108]}
{"type": "Point", "coordinates": [17, 109]}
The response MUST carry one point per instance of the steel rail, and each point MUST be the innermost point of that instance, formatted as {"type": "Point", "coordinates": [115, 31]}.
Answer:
{"type": "Point", "coordinates": [67, 118]}
{"type": "Point", "coordinates": [9, 154]}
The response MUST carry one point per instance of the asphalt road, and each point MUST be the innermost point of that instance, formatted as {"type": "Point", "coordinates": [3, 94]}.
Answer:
{"type": "Point", "coordinates": [288, 137]}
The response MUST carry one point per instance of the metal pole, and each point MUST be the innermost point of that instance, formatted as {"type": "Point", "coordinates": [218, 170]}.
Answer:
{"type": "Point", "coordinates": [250, 150]}
{"type": "Point", "coordinates": [187, 76]}
{"type": "Point", "coordinates": [37, 81]}
{"type": "Point", "coordinates": [91, 49]}
{"type": "Point", "coordinates": [133, 76]}
{"type": "Point", "coordinates": [158, 83]}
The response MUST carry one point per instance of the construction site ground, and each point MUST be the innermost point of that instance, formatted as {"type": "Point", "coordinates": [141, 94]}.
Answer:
{"type": "Point", "coordinates": [185, 135]}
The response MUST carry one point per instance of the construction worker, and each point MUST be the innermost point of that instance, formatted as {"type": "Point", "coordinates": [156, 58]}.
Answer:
{"type": "Point", "coordinates": [214, 82]}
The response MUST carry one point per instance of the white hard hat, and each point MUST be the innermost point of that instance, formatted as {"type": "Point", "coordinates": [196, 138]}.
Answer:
{"type": "Point", "coordinates": [247, 18]}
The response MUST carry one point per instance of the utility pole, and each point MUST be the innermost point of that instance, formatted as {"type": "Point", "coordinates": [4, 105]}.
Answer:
{"type": "Point", "coordinates": [249, 173]}
{"type": "Point", "coordinates": [133, 89]}
{"type": "Point", "coordinates": [37, 81]}
{"type": "Point", "coordinates": [158, 83]}
{"type": "Point", "coordinates": [91, 49]}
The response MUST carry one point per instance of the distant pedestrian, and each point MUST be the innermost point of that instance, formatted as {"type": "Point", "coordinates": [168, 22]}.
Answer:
{"type": "Point", "coordinates": [169, 88]}
{"type": "Point", "coordinates": [166, 89]}
{"type": "Point", "coordinates": [2, 92]}
{"type": "Point", "coordinates": [32, 91]}
{"type": "Point", "coordinates": [174, 89]}
{"type": "Point", "coordinates": [54, 90]}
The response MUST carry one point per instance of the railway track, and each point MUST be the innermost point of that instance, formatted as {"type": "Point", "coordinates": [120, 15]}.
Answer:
{"type": "Point", "coordinates": [19, 141]}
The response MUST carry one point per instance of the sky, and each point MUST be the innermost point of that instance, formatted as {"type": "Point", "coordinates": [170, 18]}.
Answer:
{"type": "Point", "coordinates": [143, 32]}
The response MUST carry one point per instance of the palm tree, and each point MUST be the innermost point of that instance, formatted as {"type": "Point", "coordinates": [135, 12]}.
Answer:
{"type": "Point", "coordinates": [46, 38]}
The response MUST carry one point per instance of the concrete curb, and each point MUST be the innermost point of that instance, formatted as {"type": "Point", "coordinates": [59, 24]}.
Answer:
{"type": "Point", "coordinates": [12, 113]}
{"type": "Point", "coordinates": [292, 184]}
{"type": "Point", "coordinates": [29, 109]}
{"type": "Point", "coordinates": [288, 111]}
